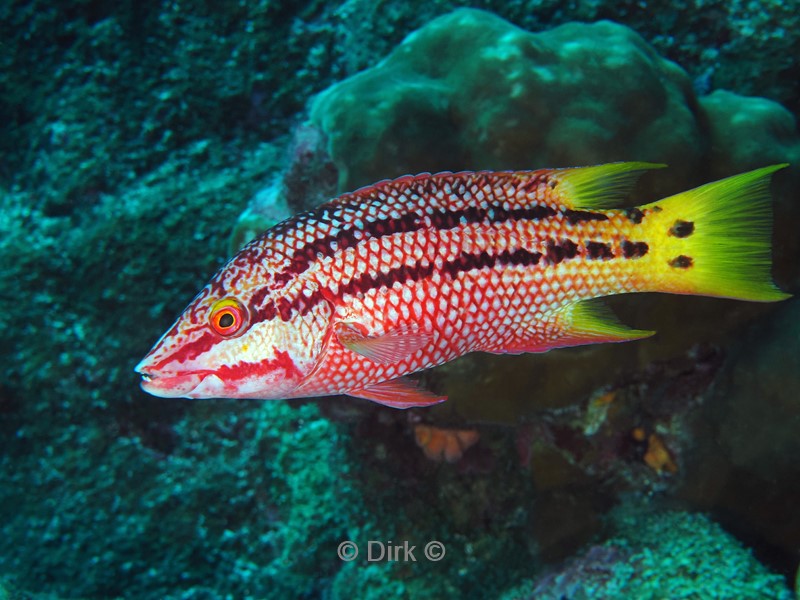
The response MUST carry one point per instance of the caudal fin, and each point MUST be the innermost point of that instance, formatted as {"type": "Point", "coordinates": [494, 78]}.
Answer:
{"type": "Point", "coordinates": [714, 240]}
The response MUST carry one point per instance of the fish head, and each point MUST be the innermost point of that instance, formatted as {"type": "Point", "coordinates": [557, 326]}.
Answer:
{"type": "Point", "coordinates": [231, 342]}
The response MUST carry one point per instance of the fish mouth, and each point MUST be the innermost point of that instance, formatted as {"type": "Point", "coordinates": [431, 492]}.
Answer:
{"type": "Point", "coordinates": [186, 384]}
{"type": "Point", "coordinates": [178, 385]}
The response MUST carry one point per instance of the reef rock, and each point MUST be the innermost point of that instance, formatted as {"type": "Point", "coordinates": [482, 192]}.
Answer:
{"type": "Point", "coordinates": [471, 91]}
{"type": "Point", "coordinates": [659, 555]}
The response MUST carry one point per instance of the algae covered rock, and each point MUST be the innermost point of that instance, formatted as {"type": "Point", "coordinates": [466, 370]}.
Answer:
{"type": "Point", "coordinates": [471, 91]}
{"type": "Point", "coordinates": [660, 555]}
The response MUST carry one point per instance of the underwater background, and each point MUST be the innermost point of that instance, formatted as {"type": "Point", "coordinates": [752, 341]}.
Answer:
{"type": "Point", "coordinates": [144, 142]}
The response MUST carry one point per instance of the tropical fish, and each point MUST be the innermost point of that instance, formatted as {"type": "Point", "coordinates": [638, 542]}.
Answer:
{"type": "Point", "coordinates": [411, 273]}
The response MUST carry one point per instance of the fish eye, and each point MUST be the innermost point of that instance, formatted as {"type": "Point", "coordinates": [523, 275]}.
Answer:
{"type": "Point", "coordinates": [228, 317]}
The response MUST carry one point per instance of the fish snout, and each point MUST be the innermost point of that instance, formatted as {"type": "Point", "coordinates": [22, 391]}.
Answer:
{"type": "Point", "coordinates": [167, 384]}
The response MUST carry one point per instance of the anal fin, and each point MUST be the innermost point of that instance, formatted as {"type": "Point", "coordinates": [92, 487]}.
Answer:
{"type": "Point", "coordinates": [592, 322]}
{"type": "Point", "coordinates": [398, 393]}
{"type": "Point", "coordinates": [584, 322]}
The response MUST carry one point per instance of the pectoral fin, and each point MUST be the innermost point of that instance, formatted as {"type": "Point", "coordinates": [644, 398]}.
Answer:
{"type": "Point", "coordinates": [391, 347]}
{"type": "Point", "coordinates": [398, 393]}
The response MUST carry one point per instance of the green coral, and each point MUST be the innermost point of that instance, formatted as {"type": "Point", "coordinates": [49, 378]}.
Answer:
{"type": "Point", "coordinates": [471, 91]}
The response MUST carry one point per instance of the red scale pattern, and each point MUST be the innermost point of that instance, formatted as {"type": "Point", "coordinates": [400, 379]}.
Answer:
{"type": "Point", "coordinates": [470, 261]}
{"type": "Point", "coordinates": [449, 283]}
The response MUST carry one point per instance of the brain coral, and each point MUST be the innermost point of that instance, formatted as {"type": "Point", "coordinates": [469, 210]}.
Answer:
{"type": "Point", "coordinates": [471, 91]}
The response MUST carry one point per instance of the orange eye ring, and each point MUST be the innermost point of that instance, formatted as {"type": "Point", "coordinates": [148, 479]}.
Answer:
{"type": "Point", "coordinates": [228, 317]}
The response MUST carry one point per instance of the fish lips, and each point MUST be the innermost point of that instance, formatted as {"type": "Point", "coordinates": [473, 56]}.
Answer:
{"type": "Point", "coordinates": [193, 384]}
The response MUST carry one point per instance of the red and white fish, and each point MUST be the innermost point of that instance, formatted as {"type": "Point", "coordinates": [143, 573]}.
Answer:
{"type": "Point", "coordinates": [411, 273]}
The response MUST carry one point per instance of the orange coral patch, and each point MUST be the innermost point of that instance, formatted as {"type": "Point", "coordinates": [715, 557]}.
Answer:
{"type": "Point", "coordinates": [444, 444]}
{"type": "Point", "coordinates": [658, 456]}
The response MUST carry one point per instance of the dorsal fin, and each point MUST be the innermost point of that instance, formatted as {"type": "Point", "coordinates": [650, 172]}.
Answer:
{"type": "Point", "coordinates": [598, 186]}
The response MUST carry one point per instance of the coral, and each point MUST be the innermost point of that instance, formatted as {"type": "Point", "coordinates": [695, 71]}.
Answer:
{"type": "Point", "coordinates": [745, 461]}
{"type": "Point", "coordinates": [659, 555]}
{"type": "Point", "coordinates": [471, 91]}
{"type": "Point", "coordinates": [444, 444]}
{"type": "Point", "coordinates": [308, 179]}
{"type": "Point", "coordinates": [748, 132]}
{"type": "Point", "coordinates": [265, 209]}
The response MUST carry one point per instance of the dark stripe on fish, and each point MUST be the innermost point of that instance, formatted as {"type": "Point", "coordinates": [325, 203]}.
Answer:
{"type": "Point", "coordinates": [576, 216]}
{"type": "Point", "coordinates": [346, 238]}
{"type": "Point", "coordinates": [599, 250]}
{"type": "Point", "coordinates": [285, 307]}
{"type": "Point", "coordinates": [490, 215]}
{"type": "Point", "coordinates": [556, 252]}
{"type": "Point", "coordinates": [634, 249]}
{"type": "Point", "coordinates": [444, 219]}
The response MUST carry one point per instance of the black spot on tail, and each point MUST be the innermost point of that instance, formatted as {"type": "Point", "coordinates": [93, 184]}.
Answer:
{"type": "Point", "coordinates": [634, 214]}
{"type": "Point", "coordinates": [682, 229]}
{"type": "Point", "coordinates": [681, 262]}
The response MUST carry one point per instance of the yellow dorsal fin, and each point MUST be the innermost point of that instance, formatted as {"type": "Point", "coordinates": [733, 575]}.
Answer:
{"type": "Point", "coordinates": [591, 321]}
{"type": "Point", "coordinates": [599, 186]}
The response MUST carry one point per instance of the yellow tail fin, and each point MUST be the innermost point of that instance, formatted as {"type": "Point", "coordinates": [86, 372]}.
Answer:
{"type": "Point", "coordinates": [714, 240]}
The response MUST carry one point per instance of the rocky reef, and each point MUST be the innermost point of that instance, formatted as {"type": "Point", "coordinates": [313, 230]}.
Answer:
{"type": "Point", "coordinates": [663, 555]}
{"type": "Point", "coordinates": [138, 134]}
